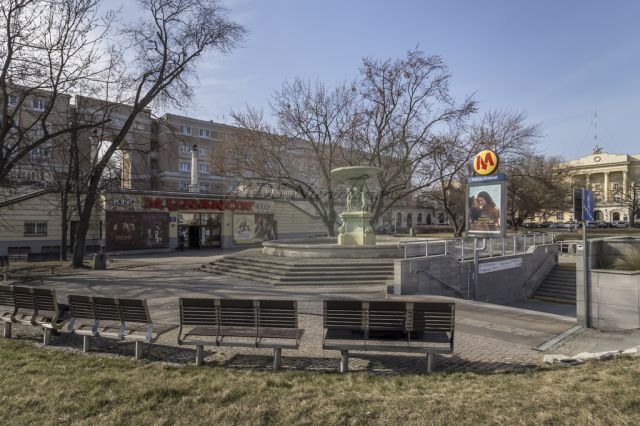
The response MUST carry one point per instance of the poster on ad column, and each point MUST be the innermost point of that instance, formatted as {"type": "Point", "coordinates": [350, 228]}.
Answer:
{"type": "Point", "coordinates": [243, 227]}
{"type": "Point", "coordinates": [485, 210]}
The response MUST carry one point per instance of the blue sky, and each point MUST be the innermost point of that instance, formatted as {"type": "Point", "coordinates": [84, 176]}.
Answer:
{"type": "Point", "coordinates": [559, 61]}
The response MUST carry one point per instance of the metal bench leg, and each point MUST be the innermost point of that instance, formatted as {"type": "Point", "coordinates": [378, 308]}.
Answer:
{"type": "Point", "coordinates": [138, 350]}
{"type": "Point", "coordinates": [344, 361]}
{"type": "Point", "coordinates": [7, 330]}
{"type": "Point", "coordinates": [430, 362]}
{"type": "Point", "coordinates": [277, 358]}
{"type": "Point", "coordinates": [199, 354]}
{"type": "Point", "coordinates": [47, 336]}
{"type": "Point", "coordinates": [85, 344]}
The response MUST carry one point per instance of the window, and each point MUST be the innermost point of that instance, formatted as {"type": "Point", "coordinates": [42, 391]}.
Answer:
{"type": "Point", "coordinates": [185, 130]}
{"type": "Point", "coordinates": [183, 186]}
{"type": "Point", "coordinates": [39, 104]}
{"type": "Point", "coordinates": [203, 168]}
{"type": "Point", "coordinates": [597, 187]}
{"type": "Point", "coordinates": [617, 198]}
{"type": "Point", "coordinates": [185, 166]}
{"type": "Point", "coordinates": [204, 187]}
{"type": "Point", "coordinates": [203, 152]}
{"type": "Point", "coordinates": [559, 216]}
{"type": "Point", "coordinates": [185, 148]}
{"type": "Point", "coordinates": [35, 229]}
{"type": "Point", "coordinates": [13, 100]}
{"type": "Point", "coordinates": [615, 185]}
{"type": "Point", "coordinates": [41, 152]}
{"type": "Point", "coordinates": [419, 218]}
{"type": "Point", "coordinates": [204, 133]}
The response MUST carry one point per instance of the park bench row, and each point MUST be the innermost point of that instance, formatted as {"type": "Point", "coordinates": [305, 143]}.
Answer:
{"type": "Point", "coordinates": [378, 326]}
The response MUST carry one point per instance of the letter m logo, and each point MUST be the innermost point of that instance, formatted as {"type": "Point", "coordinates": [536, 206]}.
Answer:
{"type": "Point", "coordinates": [484, 163]}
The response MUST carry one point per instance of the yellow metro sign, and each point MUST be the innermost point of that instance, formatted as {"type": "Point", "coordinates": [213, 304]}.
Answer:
{"type": "Point", "coordinates": [485, 162]}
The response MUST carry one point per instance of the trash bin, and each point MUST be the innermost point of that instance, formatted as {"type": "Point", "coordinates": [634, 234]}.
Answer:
{"type": "Point", "coordinates": [99, 261]}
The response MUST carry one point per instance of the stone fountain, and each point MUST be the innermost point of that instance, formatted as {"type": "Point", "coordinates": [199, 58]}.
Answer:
{"type": "Point", "coordinates": [356, 227]}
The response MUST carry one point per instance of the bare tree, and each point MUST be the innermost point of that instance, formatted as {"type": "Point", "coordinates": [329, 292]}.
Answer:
{"type": "Point", "coordinates": [160, 50]}
{"type": "Point", "coordinates": [404, 104]}
{"type": "Point", "coordinates": [389, 118]}
{"type": "Point", "coordinates": [514, 140]}
{"type": "Point", "coordinates": [536, 186]}
{"type": "Point", "coordinates": [450, 167]}
{"type": "Point", "coordinates": [309, 141]}
{"type": "Point", "coordinates": [48, 50]}
{"type": "Point", "coordinates": [630, 198]}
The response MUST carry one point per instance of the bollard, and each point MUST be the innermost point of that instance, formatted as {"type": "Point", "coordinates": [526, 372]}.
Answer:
{"type": "Point", "coordinates": [344, 361]}
{"type": "Point", "coordinates": [85, 344]}
{"type": "Point", "coordinates": [199, 355]}
{"type": "Point", "coordinates": [277, 358]}
{"type": "Point", "coordinates": [138, 350]}
{"type": "Point", "coordinates": [430, 362]}
{"type": "Point", "coordinates": [7, 330]}
{"type": "Point", "coordinates": [47, 337]}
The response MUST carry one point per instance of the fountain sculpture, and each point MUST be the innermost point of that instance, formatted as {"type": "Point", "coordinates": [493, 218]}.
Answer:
{"type": "Point", "coordinates": [356, 227]}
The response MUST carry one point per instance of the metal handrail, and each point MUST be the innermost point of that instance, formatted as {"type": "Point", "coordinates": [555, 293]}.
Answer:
{"type": "Point", "coordinates": [426, 243]}
{"type": "Point", "coordinates": [440, 280]}
{"type": "Point", "coordinates": [534, 236]}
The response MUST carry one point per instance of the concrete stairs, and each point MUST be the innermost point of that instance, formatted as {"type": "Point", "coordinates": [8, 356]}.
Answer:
{"type": "Point", "coordinates": [559, 285]}
{"type": "Point", "coordinates": [307, 272]}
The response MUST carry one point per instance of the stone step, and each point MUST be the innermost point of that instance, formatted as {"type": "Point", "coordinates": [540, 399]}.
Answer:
{"type": "Point", "coordinates": [324, 263]}
{"type": "Point", "coordinates": [554, 293]}
{"type": "Point", "coordinates": [568, 272]}
{"type": "Point", "coordinates": [556, 290]}
{"type": "Point", "coordinates": [266, 280]}
{"type": "Point", "coordinates": [305, 272]}
{"type": "Point", "coordinates": [555, 299]}
{"type": "Point", "coordinates": [311, 268]}
{"type": "Point", "coordinates": [560, 282]}
{"type": "Point", "coordinates": [327, 277]}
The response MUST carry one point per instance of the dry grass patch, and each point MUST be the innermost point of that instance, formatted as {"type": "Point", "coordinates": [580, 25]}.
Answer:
{"type": "Point", "coordinates": [49, 386]}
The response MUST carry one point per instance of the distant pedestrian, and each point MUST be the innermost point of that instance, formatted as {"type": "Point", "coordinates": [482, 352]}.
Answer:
{"type": "Point", "coordinates": [181, 241]}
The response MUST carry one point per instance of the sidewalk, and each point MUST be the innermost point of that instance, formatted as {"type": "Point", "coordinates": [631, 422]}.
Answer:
{"type": "Point", "coordinates": [487, 336]}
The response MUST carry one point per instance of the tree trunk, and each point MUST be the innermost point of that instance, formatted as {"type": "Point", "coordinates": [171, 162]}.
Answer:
{"type": "Point", "coordinates": [64, 226]}
{"type": "Point", "coordinates": [82, 229]}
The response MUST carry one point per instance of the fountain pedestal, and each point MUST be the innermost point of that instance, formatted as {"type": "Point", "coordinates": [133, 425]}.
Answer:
{"type": "Point", "coordinates": [356, 229]}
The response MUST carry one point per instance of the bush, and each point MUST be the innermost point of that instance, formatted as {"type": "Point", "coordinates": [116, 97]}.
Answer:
{"type": "Point", "coordinates": [630, 259]}
{"type": "Point", "coordinates": [433, 229]}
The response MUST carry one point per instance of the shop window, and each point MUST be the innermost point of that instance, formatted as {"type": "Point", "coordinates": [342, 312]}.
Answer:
{"type": "Point", "coordinates": [35, 228]}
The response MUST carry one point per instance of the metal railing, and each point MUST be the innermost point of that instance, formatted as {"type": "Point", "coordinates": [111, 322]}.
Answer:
{"type": "Point", "coordinates": [462, 248]}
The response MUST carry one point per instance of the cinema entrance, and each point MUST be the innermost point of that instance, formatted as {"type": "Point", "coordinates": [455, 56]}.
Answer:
{"type": "Point", "coordinates": [200, 230]}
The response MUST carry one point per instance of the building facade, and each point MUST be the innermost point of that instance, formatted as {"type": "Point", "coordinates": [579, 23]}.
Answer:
{"type": "Point", "coordinates": [611, 177]}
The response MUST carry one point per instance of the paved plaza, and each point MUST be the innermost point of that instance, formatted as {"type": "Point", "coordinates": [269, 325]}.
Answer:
{"type": "Point", "coordinates": [487, 337]}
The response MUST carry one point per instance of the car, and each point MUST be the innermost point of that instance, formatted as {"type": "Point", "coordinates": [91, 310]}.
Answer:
{"type": "Point", "coordinates": [571, 225]}
{"type": "Point", "coordinates": [619, 224]}
{"type": "Point", "coordinates": [556, 225]}
{"type": "Point", "coordinates": [382, 229]}
{"type": "Point", "coordinates": [545, 224]}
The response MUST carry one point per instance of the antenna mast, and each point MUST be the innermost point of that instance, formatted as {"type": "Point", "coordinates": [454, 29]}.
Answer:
{"type": "Point", "coordinates": [596, 149]}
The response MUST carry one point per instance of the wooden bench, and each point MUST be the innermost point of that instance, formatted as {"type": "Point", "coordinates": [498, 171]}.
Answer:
{"type": "Point", "coordinates": [32, 306]}
{"type": "Point", "coordinates": [388, 326]}
{"type": "Point", "coordinates": [114, 318]}
{"type": "Point", "coordinates": [7, 308]}
{"type": "Point", "coordinates": [239, 323]}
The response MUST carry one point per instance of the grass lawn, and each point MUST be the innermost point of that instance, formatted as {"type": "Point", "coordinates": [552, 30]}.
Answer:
{"type": "Point", "coordinates": [50, 386]}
